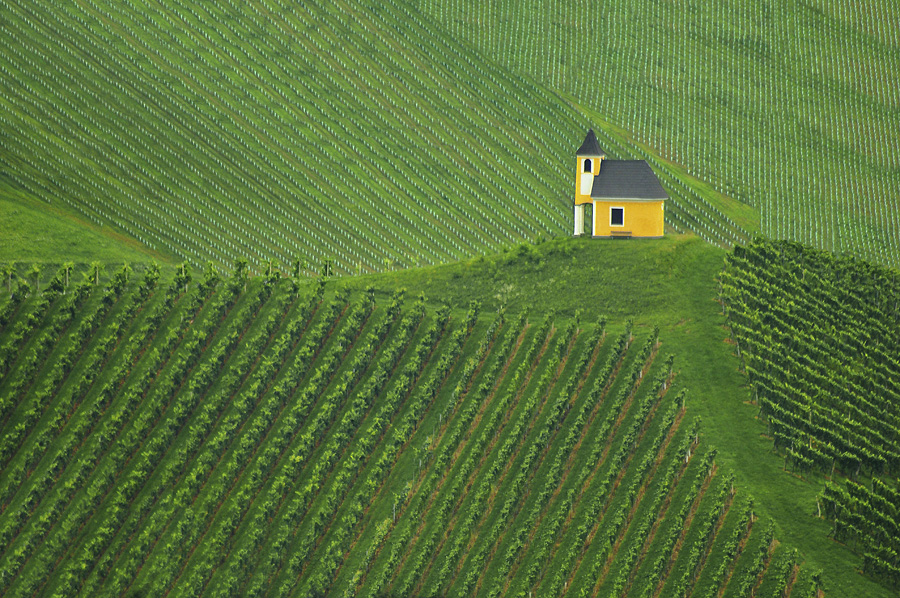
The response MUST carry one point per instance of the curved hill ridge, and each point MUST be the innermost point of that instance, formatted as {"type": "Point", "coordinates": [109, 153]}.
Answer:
{"type": "Point", "coordinates": [165, 431]}
{"type": "Point", "coordinates": [281, 437]}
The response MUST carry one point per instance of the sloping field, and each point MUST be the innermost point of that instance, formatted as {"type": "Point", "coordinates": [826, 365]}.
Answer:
{"type": "Point", "coordinates": [35, 232]}
{"type": "Point", "coordinates": [357, 132]}
{"type": "Point", "coordinates": [793, 107]}
{"type": "Point", "coordinates": [818, 336]}
{"type": "Point", "coordinates": [270, 437]}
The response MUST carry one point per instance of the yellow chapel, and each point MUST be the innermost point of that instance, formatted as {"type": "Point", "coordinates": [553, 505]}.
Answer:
{"type": "Point", "coordinates": [627, 199]}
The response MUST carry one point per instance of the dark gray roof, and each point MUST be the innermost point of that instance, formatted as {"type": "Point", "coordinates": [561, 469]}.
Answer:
{"type": "Point", "coordinates": [626, 179]}
{"type": "Point", "coordinates": [590, 147]}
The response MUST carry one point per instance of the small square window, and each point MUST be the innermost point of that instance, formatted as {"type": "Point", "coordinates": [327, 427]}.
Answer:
{"type": "Point", "coordinates": [617, 216]}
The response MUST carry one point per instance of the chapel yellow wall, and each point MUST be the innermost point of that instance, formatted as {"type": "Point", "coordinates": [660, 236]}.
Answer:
{"type": "Point", "coordinates": [642, 218]}
{"type": "Point", "coordinates": [581, 198]}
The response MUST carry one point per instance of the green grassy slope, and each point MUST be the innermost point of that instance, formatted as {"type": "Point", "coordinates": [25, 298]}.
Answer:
{"type": "Point", "coordinates": [358, 131]}
{"type": "Point", "coordinates": [669, 283]}
{"type": "Point", "coordinates": [36, 231]}
{"type": "Point", "coordinates": [790, 106]}
{"type": "Point", "coordinates": [262, 438]}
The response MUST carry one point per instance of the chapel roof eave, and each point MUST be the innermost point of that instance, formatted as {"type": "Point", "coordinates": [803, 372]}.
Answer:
{"type": "Point", "coordinates": [627, 180]}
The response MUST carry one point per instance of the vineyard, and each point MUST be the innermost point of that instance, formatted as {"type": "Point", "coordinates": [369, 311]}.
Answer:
{"type": "Point", "coordinates": [357, 133]}
{"type": "Point", "coordinates": [789, 106]}
{"type": "Point", "coordinates": [817, 336]}
{"type": "Point", "coordinates": [382, 366]}
{"type": "Point", "coordinates": [198, 435]}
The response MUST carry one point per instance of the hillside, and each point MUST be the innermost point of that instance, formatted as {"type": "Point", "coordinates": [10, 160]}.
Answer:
{"type": "Point", "coordinates": [817, 335]}
{"type": "Point", "coordinates": [672, 284]}
{"type": "Point", "coordinates": [34, 231]}
{"type": "Point", "coordinates": [382, 366]}
{"type": "Point", "coordinates": [353, 418]}
{"type": "Point", "coordinates": [358, 133]}
{"type": "Point", "coordinates": [789, 106]}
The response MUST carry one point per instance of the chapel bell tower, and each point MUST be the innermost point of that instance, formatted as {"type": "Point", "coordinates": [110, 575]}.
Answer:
{"type": "Point", "coordinates": [588, 159]}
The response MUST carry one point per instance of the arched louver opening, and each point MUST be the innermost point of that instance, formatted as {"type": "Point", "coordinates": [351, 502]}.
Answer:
{"type": "Point", "coordinates": [587, 165]}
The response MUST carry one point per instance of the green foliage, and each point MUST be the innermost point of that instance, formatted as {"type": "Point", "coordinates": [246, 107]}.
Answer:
{"type": "Point", "coordinates": [33, 230]}
{"type": "Point", "coordinates": [866, 519]}
{"type": "Point", "coordinates": [214, 439]}
{"type": "Point", "coordinates": [813, 332]}
{"type": "Point", "coordinates": [317, 436]}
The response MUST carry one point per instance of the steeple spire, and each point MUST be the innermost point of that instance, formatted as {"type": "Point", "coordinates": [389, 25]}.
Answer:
{"type": "Point", "coordinates": [590, 147]}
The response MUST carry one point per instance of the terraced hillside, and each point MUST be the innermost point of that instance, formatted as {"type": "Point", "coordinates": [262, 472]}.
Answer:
{"type": "Point", "coordinates": [818, 336]}
{"type": "Point", "coordinates": [790, 106]}
{"type": "Point", "coordinates": [267, 436]}
{"type": "Point", "coordinates": [358, 133]}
